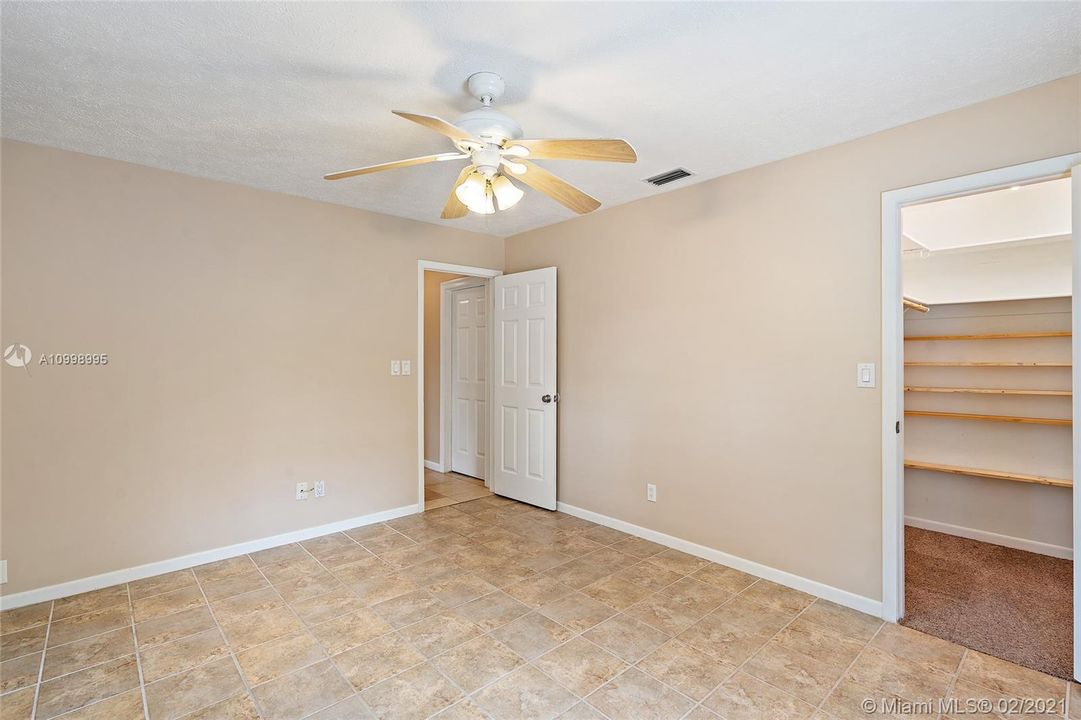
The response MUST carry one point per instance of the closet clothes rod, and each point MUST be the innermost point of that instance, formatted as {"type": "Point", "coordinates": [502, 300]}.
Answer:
{"type": "Point", "coordinates": [911, 304]}
{"type": "Point", "coordinates": [1064, 422]}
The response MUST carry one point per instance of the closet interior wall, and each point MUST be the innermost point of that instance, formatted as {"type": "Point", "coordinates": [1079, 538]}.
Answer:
{"type": "Point", "coordinates": [1029, 516]}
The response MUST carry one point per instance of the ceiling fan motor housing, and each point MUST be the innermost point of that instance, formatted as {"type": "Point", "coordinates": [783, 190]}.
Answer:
{"type": "Point", "coordinates": [489, 125]}
{"type": "Point", "coordinates": [487, 159]}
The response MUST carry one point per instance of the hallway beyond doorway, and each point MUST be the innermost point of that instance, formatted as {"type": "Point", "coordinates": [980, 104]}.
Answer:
{"type": "Point", "coordinates": [442, 489]}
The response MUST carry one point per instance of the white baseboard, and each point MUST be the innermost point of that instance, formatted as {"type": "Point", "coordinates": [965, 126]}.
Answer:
{"type": "Point", "coordinates": [433, 465]}
{"type": "Point", "coordinates": [828, 592]}
{"type": "Point", "coordinates": [1034, 546]}
{"type": "Point", "coordinates": [73, 587]}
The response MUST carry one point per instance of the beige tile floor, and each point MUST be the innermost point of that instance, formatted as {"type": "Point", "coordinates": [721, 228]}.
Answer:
{"type": "Point", "coordinates": [443, 489]}
{"type": "Point", "coordinates": [485, 609]}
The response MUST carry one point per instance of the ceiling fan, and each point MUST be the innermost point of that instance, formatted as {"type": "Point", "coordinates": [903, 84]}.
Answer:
{"type": "Point", "coordinates": [493, 144]}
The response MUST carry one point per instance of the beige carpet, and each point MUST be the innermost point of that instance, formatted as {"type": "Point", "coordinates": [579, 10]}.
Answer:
{"type": "Point", "coordinates": [1009, 603]}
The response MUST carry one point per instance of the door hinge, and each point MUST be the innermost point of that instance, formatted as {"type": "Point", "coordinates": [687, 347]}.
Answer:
{"type": "Point", "coordinates": [897, 427]}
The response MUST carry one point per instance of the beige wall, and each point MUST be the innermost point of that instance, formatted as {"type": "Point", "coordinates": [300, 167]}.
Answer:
{"type": "Point", "coordinates": [1027, 512]}
{"type": "Point", "coordinates": [709, 338]}
{"type": "Point", "coordinates": [249, 336]}
{"type": "Point", "coordinates": [432, 305]}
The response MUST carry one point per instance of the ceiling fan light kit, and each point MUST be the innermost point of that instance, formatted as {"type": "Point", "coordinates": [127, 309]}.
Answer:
{"type": "Point", "coordinates": [492, 142]}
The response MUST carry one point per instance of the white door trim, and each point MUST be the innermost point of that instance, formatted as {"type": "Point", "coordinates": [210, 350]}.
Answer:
{"type": "Point", "coordinates": [893, 363]}
{"type": "Point", "coordinates": [445, 351]}
{"type": "Point", "coordinates": [1075, 346]}
{"type": "Point", "coordinates": [422, 266]}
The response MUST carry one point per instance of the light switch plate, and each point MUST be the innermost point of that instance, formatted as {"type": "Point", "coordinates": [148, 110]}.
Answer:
{"type": "Point", "coordinates": [407, 367]}
{"type": "Point", "coordinates": [395, 367]}
{"type": "Point", "coordinates": [3, 571]}
{"type": "Point", "coordinates": [865, 375]}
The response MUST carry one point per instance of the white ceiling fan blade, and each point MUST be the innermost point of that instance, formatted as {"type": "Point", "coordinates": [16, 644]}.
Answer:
{"type": "Point", "coordinates": [561, 191]}
{"type": "Point", "coordinates": [440, 157]}
{"type": "Point", "coordinates": [605, 150]}
{"type": "Point", "coordinates": [441, 126]}
{"type": "Point", "coordinates": [454, 208]}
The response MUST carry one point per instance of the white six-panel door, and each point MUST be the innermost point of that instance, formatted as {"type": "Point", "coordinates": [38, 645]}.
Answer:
{"type": "Point", "coordinates": [469, 378]}
{"type": "Point", "coordinates": [524, 389]}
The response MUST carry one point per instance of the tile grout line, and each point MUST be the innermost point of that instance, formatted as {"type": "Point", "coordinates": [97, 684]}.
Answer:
{"type": "Point", "coordinates": [138, 655]}
{"type": "Point", "coordinates": [848, 668]}
{"type": "Point", "coordinates": [955, 676]}
{"type": "Point", "coordinates": [269, 585]}
{"type": "Point", "coordinates": [307, 628]}
{"type": "Point", "coordinates": [130, 604]}
{"type": "Point", "coordinates": [739, 668]}
{"type": "Point", "coordinates": [41, 667]}
{"type": "Point", "coordinates": [225, 639]}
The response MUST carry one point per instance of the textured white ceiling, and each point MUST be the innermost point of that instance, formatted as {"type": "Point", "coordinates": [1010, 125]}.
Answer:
{"type": "Point", "coordinates": [275, 95]}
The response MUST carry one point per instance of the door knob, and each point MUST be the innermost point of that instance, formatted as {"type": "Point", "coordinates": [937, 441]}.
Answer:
{"type": "Point", "coordinates": [550, 398]}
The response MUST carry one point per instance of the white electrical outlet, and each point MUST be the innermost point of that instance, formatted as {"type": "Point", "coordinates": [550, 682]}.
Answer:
{"type": "Point", "coordinates": [651, 492]}
{"type": "Point", "coordinates": [407, 367]}
{"type": "Point", "coordinates": [395, 367]}
{"type": "Point", "coordinates": [320, 488]}
{"type": "Point", "coordinates": [3, 571]}
{"type": "Point", "coordinates": [302, 491]}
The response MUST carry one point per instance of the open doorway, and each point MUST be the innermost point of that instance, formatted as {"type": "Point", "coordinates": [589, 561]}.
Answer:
{"type": "Point", "coordinates": [510, 442]}
{"type": "Point", "coordinates": [456, 341]}
{"type": "Point", "coordinates": [983, 452]}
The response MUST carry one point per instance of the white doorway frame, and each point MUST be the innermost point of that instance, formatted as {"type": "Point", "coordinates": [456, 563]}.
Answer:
{"type": "Point", "coordinates": [446, 349]}
{"type": "Point", "coordinates": [434, 266]}
{"type": "Point", "coordinates": [893, 490]}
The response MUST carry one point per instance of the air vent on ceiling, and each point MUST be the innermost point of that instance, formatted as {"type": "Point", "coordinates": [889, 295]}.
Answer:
{"type": "Point", "coordinates": [666, 177]}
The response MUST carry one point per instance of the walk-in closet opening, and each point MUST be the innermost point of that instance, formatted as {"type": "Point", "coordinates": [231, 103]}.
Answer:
{"type": "Point", "coordinates": [988, 435]}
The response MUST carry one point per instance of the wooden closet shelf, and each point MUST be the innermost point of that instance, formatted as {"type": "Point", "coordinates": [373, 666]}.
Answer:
{"type": "Point", "coordinates": [952, 363]}
{"type": "Point", "coordinates": [991, 336]}
{"type": "Point", "coordinates": [988, 391]}
{"type": "Point", "coordinates": [993, 474]}
{"type": "Point", "coordinates": [990, 418]}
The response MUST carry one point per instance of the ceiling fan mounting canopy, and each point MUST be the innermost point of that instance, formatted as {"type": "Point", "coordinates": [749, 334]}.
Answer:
{"type": "Point", "coordinates": [493, 144]}
{"type": "Point", "coordinates": [485, 86]}
{"type": "Point", "coordinates": [486, 123]}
